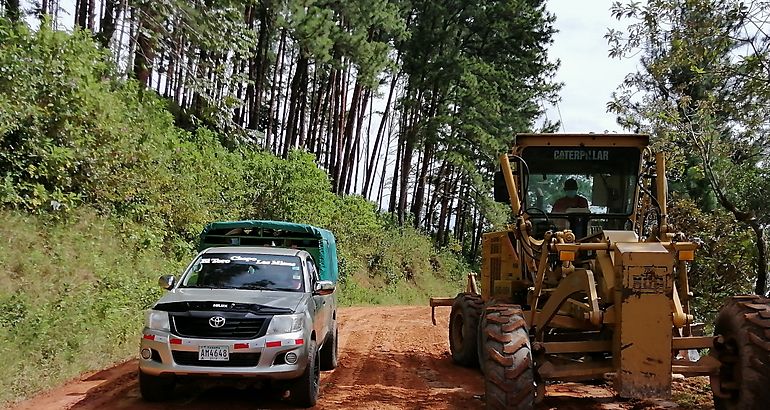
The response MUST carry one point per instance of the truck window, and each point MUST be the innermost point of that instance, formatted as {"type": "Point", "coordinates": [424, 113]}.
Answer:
{"type": "Point", "coordinates": [245, 271]}
{"type": "Point", "coordinates": [603, 179]}
{"type": "Point", "coordinates": [312, 271]}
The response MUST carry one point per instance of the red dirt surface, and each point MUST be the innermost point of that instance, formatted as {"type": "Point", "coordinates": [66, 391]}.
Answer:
{"type": "Point", "coordinates": [390, 358]}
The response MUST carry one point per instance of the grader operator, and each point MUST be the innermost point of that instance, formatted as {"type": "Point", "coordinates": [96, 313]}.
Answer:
{"type": "Point", "coordinates": [590, 281]}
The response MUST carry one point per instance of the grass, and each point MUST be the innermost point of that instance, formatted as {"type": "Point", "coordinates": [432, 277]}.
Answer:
{"type": "Point", "coordinates": [71, 298]}
{"type": "Point", "coordinates": [357, 291]}
{"type": "Point", "coordinates": [693, 393]}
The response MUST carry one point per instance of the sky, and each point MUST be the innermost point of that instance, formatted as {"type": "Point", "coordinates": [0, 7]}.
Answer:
{"type": "Point", "coordinates": [588, 74]}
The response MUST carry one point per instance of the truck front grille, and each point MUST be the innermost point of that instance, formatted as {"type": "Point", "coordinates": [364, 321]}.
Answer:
{"type": "Point", "coordinates": [234, 328]}
{"type": "Point", "coordinates": [236, 360]}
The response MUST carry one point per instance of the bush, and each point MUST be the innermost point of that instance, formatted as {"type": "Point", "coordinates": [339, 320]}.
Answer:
{"type": "Point", "coordinates": [73, 292]}
{"type": "Point", "coordinates": [721, 263]}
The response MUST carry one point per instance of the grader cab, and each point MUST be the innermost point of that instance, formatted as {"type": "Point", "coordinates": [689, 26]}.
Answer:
{"type": "Point", "coordinates": [590, 281]}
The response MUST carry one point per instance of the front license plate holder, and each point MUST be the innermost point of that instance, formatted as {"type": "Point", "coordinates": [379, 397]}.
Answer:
{"type": "Point", "coordinates": [214, 353]}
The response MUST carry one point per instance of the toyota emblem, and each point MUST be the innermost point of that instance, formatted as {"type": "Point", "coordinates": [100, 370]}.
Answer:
{"type": "Point", "coordinates": [217, 321]}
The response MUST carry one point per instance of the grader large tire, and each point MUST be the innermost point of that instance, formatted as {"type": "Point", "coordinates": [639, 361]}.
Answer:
{"type": "Point", "coordinates": [508, 367]}
{"type": "Point", "coordinates": [744, 352]}
{"type": "Point", "coordinates": [463, 328]}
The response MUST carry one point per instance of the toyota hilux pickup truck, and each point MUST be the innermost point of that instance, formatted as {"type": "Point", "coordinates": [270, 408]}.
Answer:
{"type": "Point", "coordinates": [258, 301]}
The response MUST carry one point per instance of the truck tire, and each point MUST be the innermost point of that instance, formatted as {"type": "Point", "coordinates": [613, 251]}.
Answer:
{"type": "Point", "coordinates": [329, 351]}
{"type": "Point", "coordinates": [481, 343]}
{"type": "Point", "coordinates": [155, 388]}
{"type": "Point", "coordinates": [744, 353]}
{"type": "Point", "coordinates": [304, 392]}
{"type": "Point", "coordinates": [463, 328]}
{"type": "Point", "coordinates": [509, 372]}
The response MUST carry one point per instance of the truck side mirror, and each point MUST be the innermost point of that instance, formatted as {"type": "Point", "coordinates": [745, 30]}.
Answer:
{"type": "Point", "coordinates": [167, 281]}
{"type": "Point", "coordinates": [324, 287]}
{"type": "Point", "coordinates": [500, 189]}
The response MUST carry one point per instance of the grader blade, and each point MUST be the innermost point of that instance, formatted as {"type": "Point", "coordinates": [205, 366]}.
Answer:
{"type": "Point", "coordinates": [643, 336]}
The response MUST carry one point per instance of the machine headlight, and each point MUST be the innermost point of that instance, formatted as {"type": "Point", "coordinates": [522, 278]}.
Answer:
{"type": "Point", "coordinates": [285, 323]}
{"type": "Point", "coordinates": [157, 320]}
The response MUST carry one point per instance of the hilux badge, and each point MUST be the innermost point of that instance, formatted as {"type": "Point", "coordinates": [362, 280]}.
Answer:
{"type": "Point", "coordinates": [217, 321]}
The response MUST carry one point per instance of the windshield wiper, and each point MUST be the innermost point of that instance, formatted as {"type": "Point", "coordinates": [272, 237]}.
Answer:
{"type": "Point", "coordinates": [255, 287]}
{"type": "Point", "coordinates": [211, 287]}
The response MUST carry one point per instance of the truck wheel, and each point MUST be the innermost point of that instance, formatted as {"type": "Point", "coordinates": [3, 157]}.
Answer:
{"type": "Point", "coordinates": [304, 392]}
{"type": "Point", "coordinates": [155, 388]}
{"type": "Point", "coordinates": [509, 374]}
{"type": "Point", "coordinates": [744, 353]}
{"type": "Point", "coordinates": [463, 328]}
{"type": "Point", "coordinates": [329, 351]}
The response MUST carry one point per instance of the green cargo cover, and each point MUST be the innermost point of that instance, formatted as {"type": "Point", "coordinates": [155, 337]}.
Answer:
{"type": "Point", "coordinates": [318, 242]}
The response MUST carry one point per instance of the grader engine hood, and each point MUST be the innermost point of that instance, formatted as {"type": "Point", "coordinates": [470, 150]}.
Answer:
{"type": "Point", "coordinates": [643, 338]}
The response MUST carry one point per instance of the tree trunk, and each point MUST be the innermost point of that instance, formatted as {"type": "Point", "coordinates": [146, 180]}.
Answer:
{"type": "Point", "coordinates": [761, 285]}
{"type": "Point", "coordinates": [478, 229]}
{"type": "Point", "coordinates": [44, 9]}
{"type": "Point", "coordinates": [91, 15]}
{"type": "Point", "coordinates": [145, 45]}
{"type": "Point", "coordinates": [381, 190]}
{"type": "Point", "coordinates": [355, 159]}
{"type": "Point", "coordinates": [316, 117]}
{"type": "Point", "coordinates": [280, 142]}
{"type": "Point", "coordinates": [296, 101]}
{"type": "Point", "coordinates": [12, 10]}
{"type": "Point", "coordinates": [334, 129]}
{"type": "Point", "coordinates": [309, 104]}
{"type": "Point", "coordinates": [419, 192]}
{"type": "Point", "coordinates": [406, 167]}
{"type": "Point", "coordinates": [370, 169]}
{"type": "Point", "coordinates": [347, 137]}
{"type": "Point", "coordinates": [462, 204]}
{"type": "Point", "coordinates": [433, 200]}
{"type": "Point", "coordinates": [327, 111]}
{"type": "Point", "coordinates": [272, 111]}
{"type": "Point", "coordinates": [396, 166]}
{"type": "Point", "coordinates": [81, 13]}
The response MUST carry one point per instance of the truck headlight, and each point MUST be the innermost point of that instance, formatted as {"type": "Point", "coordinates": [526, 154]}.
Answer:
{"type": "Point", "coordinates": [285, 323]}
{"type": "Point", "coordinates": [157, 320]}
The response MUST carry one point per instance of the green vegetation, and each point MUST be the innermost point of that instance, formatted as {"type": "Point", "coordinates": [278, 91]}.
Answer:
{"type": "Point", "coordinates": [72, 296]}
{"type": "Point", "coordinates": [103, 193]}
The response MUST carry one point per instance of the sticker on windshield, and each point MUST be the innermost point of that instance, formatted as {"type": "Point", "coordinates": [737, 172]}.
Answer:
{"type": "Point", "coordinates": [296, 277]}
{"type": "Point", "coordinates": [295, 268]}
{"type": "Point", "coordinates": [214, 260]}
{"type": "Point", "coordinates": [581, 155]}
{"type": "Point", "coordinates": [257, 261]}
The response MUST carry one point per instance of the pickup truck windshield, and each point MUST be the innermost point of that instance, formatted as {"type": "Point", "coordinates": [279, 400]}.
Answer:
{"type": "Point", "coordinates": [245, 271]}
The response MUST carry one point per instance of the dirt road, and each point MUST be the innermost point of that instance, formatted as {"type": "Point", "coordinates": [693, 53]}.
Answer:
{"type": "Point", "coordinates": [390, 358]}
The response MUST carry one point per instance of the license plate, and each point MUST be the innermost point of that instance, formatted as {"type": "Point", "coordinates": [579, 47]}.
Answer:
{"type": "Point", "coordinates": [215, 353]}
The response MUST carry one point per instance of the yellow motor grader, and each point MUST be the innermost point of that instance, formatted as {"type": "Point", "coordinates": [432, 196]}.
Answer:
{"type": "Point", "coordinates": [590, 281]}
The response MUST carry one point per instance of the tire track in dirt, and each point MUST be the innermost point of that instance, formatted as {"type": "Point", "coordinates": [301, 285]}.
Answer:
{"type": "Point", "coordinates": [402, 363]}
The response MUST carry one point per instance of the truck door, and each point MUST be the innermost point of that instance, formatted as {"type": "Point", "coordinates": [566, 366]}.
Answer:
{"type": "Point", "coordinates": [322, 305]}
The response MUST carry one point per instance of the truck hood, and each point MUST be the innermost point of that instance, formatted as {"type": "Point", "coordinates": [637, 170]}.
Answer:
{"type": "Point", "coordinates": [268, 298]}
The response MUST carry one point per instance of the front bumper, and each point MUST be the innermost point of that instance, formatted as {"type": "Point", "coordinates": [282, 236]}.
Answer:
{"type": "Point", "coordinates": [265, 356]}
